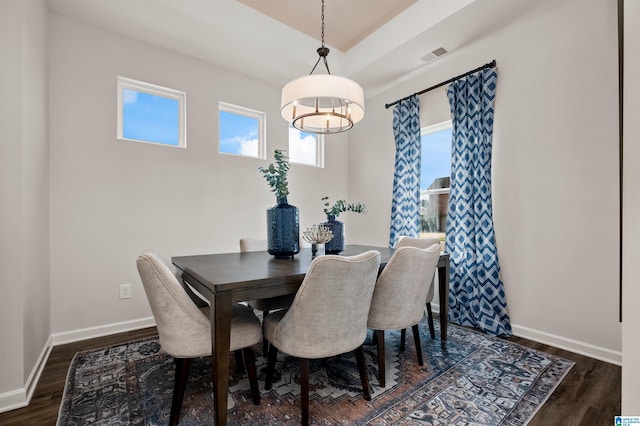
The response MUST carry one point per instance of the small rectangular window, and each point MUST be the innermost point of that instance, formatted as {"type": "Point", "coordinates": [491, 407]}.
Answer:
{"type": "Point", "coordinates": [435, 176]}
{"type": "Point", "coordinates": [151, 113]}
{"type": "Point", "coordinates": [306, 148]}
{"type": "Point", "coordinates": [242, 131]}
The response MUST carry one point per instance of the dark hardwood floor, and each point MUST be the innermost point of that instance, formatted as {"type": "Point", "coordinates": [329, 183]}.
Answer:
{"type": "Point", "coordinates": [589, 395]}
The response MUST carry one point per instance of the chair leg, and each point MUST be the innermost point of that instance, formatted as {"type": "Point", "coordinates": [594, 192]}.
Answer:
{"type": "Point", "coordinates": [364, 376]}
{"type": "Point", "coordinates": [416, 338]}
{"type": "Point", "coordinates": [304, 390]}
{"type": "Point", "coordinates": [271, 366]}
{"type": "Point", "coordinates": [182, 373]}
{"type": "Point", "coordinates": [250, 363]}
{"type": "Point", "coordinates": [403, 337]}
{"type": "Point", "coordinates": [239, 362]}
{"type": "Point", "coordinates": [432, 329]}
{"type": "Point", "coordinates": [265, 342]}
{"type": "Point", "coordinates": [381, 364]}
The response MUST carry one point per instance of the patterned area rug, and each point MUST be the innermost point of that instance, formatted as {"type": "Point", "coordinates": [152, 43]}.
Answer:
{"type": "Point", "coordinates": [471, 379]}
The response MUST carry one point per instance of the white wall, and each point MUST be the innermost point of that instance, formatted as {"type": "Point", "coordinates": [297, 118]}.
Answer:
{"type": "Point", "coordinates": [24, 199]}
{"type": "Point", "coordinates": [112, 199]}
{"type": "Point", "coordinates": [631, 211]}
{"type": "Point", "coordinates": [555, 171]}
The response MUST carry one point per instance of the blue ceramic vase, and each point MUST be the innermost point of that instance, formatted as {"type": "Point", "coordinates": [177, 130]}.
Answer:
{"type": "Point", "coordinates": [336, 245]}
{"type": "Point", "coordinates": [283, 230]}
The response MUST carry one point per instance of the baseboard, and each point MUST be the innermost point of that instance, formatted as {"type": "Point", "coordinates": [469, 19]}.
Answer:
{"type": "Point", "coordinates": [13, 399]}
{"type": "Point", "coordinates": [582, 348]}
{"type": "Point", "coordinates": [21, 397]}
{"type": "Point", "coordinates": [101, 330]}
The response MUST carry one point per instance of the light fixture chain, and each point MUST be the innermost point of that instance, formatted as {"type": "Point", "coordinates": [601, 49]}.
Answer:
{"type": "Point", "coordinates": [322, 19]}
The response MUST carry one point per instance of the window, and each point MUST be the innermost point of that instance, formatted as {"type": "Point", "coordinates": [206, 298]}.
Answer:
{"type": "Point", "coordinates": [306, 148]}
{"type": "Point", "coordinates": [242, 131]}
{"type": "Point", "coordinates": [434, 180]}
{"type": "Point", "coordinates": [150, 113]}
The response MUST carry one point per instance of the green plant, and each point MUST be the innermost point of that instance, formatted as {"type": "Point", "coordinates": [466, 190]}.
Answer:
{"type": "Point", "coordinates": [276, 175]}
{"type": "Point", "coordinates": [341, 206]}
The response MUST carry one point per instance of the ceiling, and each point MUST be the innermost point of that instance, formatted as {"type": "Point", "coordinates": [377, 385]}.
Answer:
{"type": "Point", "coordinates": [346, 23]}
{"type": "Point", "coordinates": [377, 43]}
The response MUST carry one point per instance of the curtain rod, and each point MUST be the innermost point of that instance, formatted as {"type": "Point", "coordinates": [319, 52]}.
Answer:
{"type": "Point", "coordinates": [451, 80]}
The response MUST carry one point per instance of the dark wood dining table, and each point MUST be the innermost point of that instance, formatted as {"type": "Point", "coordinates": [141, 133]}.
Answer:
{"type": "Point", "coordinates": [227, 278]}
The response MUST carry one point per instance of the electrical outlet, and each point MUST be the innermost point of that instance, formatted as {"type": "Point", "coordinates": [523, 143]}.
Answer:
{"type": "Point", "coordinates": [125, 291]}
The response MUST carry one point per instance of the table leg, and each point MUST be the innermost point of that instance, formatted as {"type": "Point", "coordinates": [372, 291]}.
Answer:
{"type": "Point", "coordinates": [443, 289]}
{"type": "Point", "coordinates": [220, 342]}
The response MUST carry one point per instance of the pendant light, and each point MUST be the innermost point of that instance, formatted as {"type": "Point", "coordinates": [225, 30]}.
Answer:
{"type": "Point", "coordinates": [322, 103]}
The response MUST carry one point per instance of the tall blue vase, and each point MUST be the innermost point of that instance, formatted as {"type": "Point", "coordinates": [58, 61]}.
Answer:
{"type": "Point", "coordinates": [283, 230]}
{"type": "Point", "coordinates": [336, 245]}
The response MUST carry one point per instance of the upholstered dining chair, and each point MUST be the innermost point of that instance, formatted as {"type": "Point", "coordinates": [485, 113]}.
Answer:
{"type": "Point", "coordinates": [399, 296]}
{"type": "Point", "coordinates": [328, 317]}
{"type": "Point", "coordinates": [422, 243]}
{"type": "Point", "coordinates": [184, 328]}
{"type": "Point", "coordinates": [270, 304]}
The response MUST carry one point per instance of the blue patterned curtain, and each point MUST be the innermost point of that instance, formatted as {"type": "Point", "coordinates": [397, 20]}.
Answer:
{"type": "Point", "coordinates": [405, 205]}
{"type": "Point", "coordinates": [476, 296]}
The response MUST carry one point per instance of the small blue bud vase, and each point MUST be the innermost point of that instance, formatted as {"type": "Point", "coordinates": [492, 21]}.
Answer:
{"type": "Point", "coordinates": [283, 230]}
{"type": "Point", "coordinates": [336, 245]}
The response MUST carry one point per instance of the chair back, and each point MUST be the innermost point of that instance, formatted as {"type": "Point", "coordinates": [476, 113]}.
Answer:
{"type": "Point", "coordinates": [253, 244]}
{"type": "Point", "coordinates": [401, 290]}
{"type": "Point", "coordinates": [422, 243]}
{"type": "Point", "coordinates": [329, 313]}
{"type": "Point", "coordinates": [181, 324]}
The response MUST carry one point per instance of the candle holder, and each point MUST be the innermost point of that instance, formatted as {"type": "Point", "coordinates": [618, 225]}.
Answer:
{"type": "Point", "coordinates": [318, 236]}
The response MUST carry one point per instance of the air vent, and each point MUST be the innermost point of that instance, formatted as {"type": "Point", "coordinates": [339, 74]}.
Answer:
{"type": "Point", "coordinates": [434, 54]}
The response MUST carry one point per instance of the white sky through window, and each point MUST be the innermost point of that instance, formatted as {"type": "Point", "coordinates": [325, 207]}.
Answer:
{"type": "Point", "coordinates": [302, 147]}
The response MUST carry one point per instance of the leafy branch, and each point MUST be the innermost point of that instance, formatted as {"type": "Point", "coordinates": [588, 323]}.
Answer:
{"type": "Point", "coordinates": [276, 175]}
{"type": "Point", "coordinates": [341, 206]}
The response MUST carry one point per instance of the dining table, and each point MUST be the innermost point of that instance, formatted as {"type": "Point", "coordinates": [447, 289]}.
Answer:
{"type": "Point", "coordinates": [227, 278]}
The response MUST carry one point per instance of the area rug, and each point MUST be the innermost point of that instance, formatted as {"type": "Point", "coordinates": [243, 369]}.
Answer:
{"type": "Point", "coordinates": [470, 379]}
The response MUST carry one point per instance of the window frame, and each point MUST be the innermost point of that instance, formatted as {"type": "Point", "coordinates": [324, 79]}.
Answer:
{"type": "Point", "coordinates": [436, 127]}
{"type": "Point", "coordinates": [425, 131]}
{"type": "Point", "coordinates": [320, 138]}
{"type": "Point", "coordinates": [261, 116]}
{"type": "Point", "coordinates": [154, 90]}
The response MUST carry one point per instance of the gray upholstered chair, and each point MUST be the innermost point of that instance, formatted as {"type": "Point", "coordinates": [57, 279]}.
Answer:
{"type": "Point", "coordinates": [422, 243]}
{"type": "Point", "coordinates": [253, 244]}
{"type": "Point", "coordinates": [400, 294]}
{"type": "Point", "coordinates": [184, 328]}
{"type": "Point", "coordinates": [272, 303]}
{"type": "Point", "coordinates": [328, 317]}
